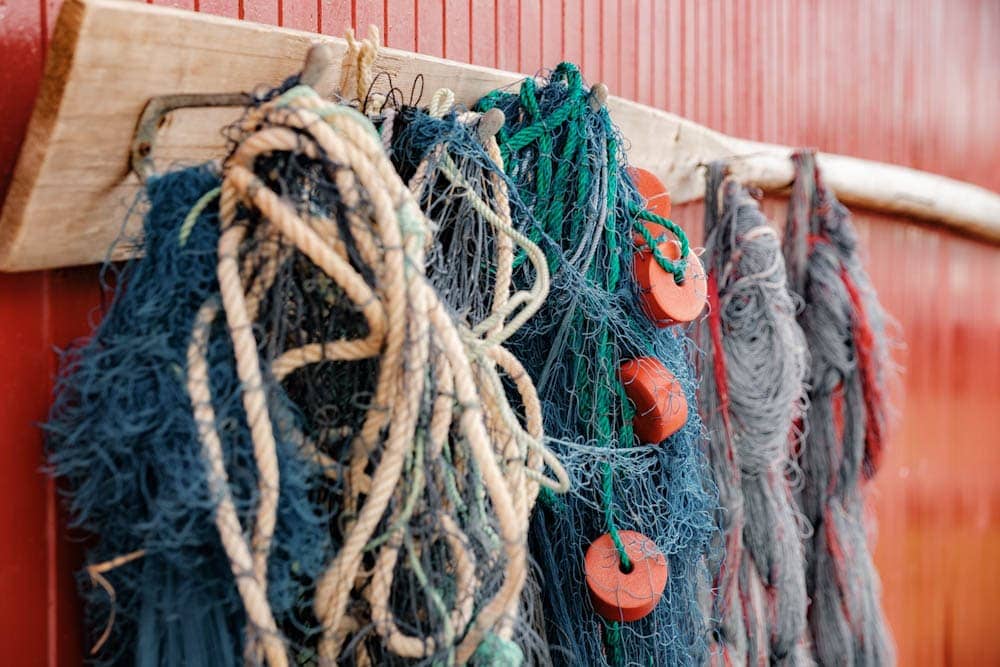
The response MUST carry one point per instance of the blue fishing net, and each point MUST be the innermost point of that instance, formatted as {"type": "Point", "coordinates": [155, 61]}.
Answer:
{"type": "Point", "coordinates": [567, 164]}
{"type": "Point", "coordinates": [123, 445]}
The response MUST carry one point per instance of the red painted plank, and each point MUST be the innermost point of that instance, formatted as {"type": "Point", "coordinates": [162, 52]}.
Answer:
{"type": "Point", "coordinates": [335, 17]}
{"type": "Point", "coordinates": [911, 82]}
{"type": "Point", "coordinates": [660, 66]}
{"type": "Point", "coordinates": [227, 8]}
{"type": "Point", "coordinates": [21, 38]}
{"type": "Point", "coordinates": [610, 34]}
{"type": "Point", "coordinates": [72, 295]}
{"type": "Point", "coordinates": [593, 40]}
{"type": "Point", "coordinates": [627, 55]}
{"type": "Point", "coordinates": [645, 40]}
{"type": "Point", "coordinates": [51, 10]}
{"type": "Point", "coordinates": [574, 34]}
{"type": "Point", "coordinates": [260, 11]}
{"type": "Point", "coordinates": [430, 27]}
{"type": "Point", "coordinates": [726, 46]}
{"type": "Point", "coordinates": [551, 28]}
{"type": "Point", "coordinates": [401, 24]}
{"type": "Point", "coordinates": [366, 13]}
{"type": "Point", "coordinates": [675, 63]}
{"type": "Point", "coordinates": [483, 32]}
{"type": "Point", "coordinates": [300, 15]}
{"type": "Point", "coordinates": [457, 30]}
{"type": "Point", "coordinates": [530, 45]}
{"type": "Point", "coordinates": [508, 35]}
{"type": "Point", "coordinates": [24, 555]}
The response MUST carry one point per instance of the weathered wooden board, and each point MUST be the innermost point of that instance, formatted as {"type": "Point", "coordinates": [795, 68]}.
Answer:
{"type": "Point", "coordinates": [72, 186]}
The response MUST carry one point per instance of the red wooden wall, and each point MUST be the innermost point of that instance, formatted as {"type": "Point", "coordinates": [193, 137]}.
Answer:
{"type": "Point", "coordinates": [912, 82]}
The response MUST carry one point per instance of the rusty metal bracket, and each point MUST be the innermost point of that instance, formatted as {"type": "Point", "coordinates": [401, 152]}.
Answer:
{"type": "Point", "coordinates": [318, 62]}
{"type": "Point", "coordinates": [153, 114]}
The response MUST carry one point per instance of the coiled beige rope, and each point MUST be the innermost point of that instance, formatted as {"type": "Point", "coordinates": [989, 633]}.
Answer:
{"type": "Point", "coordinates": [427, 361]}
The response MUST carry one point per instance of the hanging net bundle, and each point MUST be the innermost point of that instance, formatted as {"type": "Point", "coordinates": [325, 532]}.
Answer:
{"type": "Point", "coordinates": [398, 385]}
{"type": "Point", "coordinates": [845, 425]}
{"type": "Point", "coordinates": [287, 445]}
{"type": "Point", "coordinates": [565, 158]}
{"type": "Point", "coordinates": [752, 366]}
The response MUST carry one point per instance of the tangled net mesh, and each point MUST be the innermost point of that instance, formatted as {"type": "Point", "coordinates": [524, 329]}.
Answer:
{"type": "Point", "coordinates": [565, 159]}
{"type": "Point", "coordinates": [279, 398]}
{"type": "Point", "coordinates": [845, 426]}
{"type": "Point", "coordinates": [752, 369]}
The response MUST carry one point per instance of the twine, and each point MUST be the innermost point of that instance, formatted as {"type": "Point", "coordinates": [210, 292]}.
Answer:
{"type": "Point", "coordinates": [415, 338]}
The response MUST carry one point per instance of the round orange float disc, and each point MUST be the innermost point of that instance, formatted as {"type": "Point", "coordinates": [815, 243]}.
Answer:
{"type": "Point", "coordinates": [625, 596]}
{"type": "Point", "coordinates": [657, 201]}
{"type": "Point", "coordinates": [663, 300]}
{"type": "Point", "coordinates": [652, 190]}
{"type": "Point", "coordinates": [660, 406]}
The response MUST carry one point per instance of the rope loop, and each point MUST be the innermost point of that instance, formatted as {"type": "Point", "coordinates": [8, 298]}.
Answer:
{"type": "Point", "coordinates": [673, 267]}
{"type": "Point", "coordinates": [528, 99]}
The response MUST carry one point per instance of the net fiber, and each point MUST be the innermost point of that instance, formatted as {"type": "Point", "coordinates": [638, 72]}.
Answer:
{"type": "Point", "coordinates": [845, 424]}
{"type": "Point", "coordinates": [307, 456]}
{"type": "Point", "coordinates": [752, 370]}
{"type": "Point", "coordinates": [566, 160]}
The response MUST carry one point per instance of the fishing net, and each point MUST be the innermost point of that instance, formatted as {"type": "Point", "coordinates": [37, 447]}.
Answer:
{"type": "Point", "coordinates": [752, 368]}
{"type": "Point", "coordinates": [845, 328]}
{"type": "Point", "coordinates": [286, 444]}
{"type": "Point", "coordinates": [124, 442]}
{"type": "Point", "coordinates": [566, 160]}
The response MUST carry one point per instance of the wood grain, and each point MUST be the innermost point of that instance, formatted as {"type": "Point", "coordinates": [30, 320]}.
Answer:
{"type": "Point", "coordinates": [72, 187]}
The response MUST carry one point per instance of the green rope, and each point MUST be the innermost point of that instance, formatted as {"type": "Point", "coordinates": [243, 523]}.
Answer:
{"type": "Point", "coordinates": [609, 516]}
{"type": "Point", "coordinates": [565, 180]}
{"type": "Point", "coordinates": [613, 640]}
{"type": "Point", "coordinates": [192, 217]}
{"type": "Point", "coordinates": [676, 268]}
{"type": "Point", "coordinates": [610, 236]}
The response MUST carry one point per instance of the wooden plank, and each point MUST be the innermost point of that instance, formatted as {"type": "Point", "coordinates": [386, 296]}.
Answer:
{"type": "Point", "coordinates": [108, 58]}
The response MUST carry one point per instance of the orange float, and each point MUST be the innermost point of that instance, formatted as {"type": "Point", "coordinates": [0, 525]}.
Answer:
{"type": "Point", "coordinates": [619, 595]}
{"type": "Point", "coordinates": [663, 300]}
{"type": "Point", "coordinates": [660, 406]}
{"type": "Point", "coordinates": [652, 190]}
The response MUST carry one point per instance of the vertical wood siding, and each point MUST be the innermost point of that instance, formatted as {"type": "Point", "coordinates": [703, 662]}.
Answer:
{"type": "Point", "coordinates": [912, 82]}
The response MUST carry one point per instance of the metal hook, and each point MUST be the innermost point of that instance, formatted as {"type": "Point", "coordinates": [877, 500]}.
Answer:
{"type": "Point", "coordinates": [317, 63]}
{"type": "Point", "coordinates": [153, 115]}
